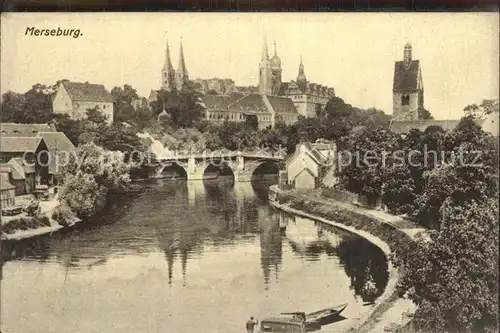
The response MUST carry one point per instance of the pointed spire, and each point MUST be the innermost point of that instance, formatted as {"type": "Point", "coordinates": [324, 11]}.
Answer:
{"type": "Point", "coordinates": [168, 64]}
{"type": "Point", "coordinates": [265, 53]}
{"type": "Point", "coordinates": [302, 76]}
{"type": "Point", "coordinates": [182, 62]}
{"type": "Point", "coordinates": [275, 52]}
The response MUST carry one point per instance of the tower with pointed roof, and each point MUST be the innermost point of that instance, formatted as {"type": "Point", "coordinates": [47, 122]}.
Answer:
{"type": "Point", "coordinates": [408, 87]}
{"type": "Point", "coordinates": [265, 74]}
{"type": "Point", "coordinates": [301, 77]}
{"type": "Point", "coordinates": [182, 75]}
{"type": "Point", "coordinates": [167, 72]}
{"type": "Point", "coordinates": [275, 72]}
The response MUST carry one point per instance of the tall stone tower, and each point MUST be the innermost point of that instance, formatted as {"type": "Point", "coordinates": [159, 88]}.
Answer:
{"type": "Point", "coordinates": [265, 73]}
{"type": "Point", "coordinates": [408, 87]}
{"type": "Point", "coordinates": [275, 72]}
{"type": "Point", "coordinates": [167, 73]}
{"type": "Point", "coordinates": [182, 75]}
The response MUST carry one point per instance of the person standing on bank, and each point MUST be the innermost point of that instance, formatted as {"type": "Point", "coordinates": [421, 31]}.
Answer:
{"type": "Point", "coordinates": [251, 323]}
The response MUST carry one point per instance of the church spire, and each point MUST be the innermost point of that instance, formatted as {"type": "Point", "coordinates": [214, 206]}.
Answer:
{"type": "Point", "coordinates": [275, 52]}
{"type": "Point", "coordinates": [265, 53]}
{"type": "Point", "coordinates": [168, 64]}
{"type": "Point", "coordinates": [182, 75]}
{"type": "Point", "coordinates": [167, 72]}
{"type": "Point", "coordinates": [182, 63]}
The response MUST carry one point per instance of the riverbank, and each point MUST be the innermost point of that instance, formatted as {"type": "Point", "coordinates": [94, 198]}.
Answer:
{"type": "Point", "coordinates": [380, 228]}
{"type": "Point", "coordinates": [23, 226]}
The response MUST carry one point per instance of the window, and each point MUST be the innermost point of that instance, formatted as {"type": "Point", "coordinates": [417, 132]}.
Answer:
{"type": "Point", "coordinates": [405, 100]}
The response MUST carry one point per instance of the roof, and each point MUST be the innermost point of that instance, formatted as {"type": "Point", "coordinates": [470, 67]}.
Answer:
{"type": "Point", "coordinates": [30, 130]}
{"type": "Point", "coordinates": [4, 183]}
{"type": "Point", "coordinates": [406, 79]}
{"type": "Point", "coordinates": [19, 144]}
{"type": "Point", "coordinates": [87, 92]}
{"type": "Point", "coordinates": [250, 103]}
{"type": "Point", "coordinates": [282, 104]}
{"type": "Point", "coordinates": [19, 169]}
{"type": "Point", "coordinates": [57, 141]}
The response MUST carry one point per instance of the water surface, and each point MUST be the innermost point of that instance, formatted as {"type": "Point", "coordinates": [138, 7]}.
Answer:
{"type": "Point", "coordinates": [187, 257]}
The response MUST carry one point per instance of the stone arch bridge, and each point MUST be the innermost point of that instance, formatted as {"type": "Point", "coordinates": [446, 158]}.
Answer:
{"type": "Point", "coordinates": [242, 164]}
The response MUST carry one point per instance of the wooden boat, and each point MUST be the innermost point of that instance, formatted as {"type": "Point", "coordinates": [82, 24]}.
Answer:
{"type": "Point", "coordinates": [326, 315]}
{"type": "Point", "coordinates": [314, 320]}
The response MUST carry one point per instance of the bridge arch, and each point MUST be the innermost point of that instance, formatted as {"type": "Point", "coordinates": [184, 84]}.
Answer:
{"type": "Point", "coordinates": [263, 168]}
{"type": "Point", "coordinates": [172, 169]}
{"type": "Point", "coordinates": [218, 168]}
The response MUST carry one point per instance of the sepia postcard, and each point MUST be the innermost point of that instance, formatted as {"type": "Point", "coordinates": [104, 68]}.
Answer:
{"type": "Point", "coordinates": [239, 172]}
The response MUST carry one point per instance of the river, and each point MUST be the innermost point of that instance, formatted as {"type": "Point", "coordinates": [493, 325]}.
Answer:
{"type": "Point", "coordinates": [187, 258]}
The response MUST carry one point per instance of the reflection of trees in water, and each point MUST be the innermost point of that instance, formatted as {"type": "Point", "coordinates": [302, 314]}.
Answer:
{"type": "Point", "coordinates": [271, 251]}
{"type": "Point", "coordinates": [366, 265]}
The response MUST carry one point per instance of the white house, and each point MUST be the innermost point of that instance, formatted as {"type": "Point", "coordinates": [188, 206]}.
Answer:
{"type": "Point", "coordinates": [310, 164]}
{"type": "Point", "coordinates": [75, 99]}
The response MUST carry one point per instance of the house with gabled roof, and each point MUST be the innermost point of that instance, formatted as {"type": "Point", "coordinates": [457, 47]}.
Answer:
{"type": "Point", "coordinates": [28, 155]}
{"type": "Point", "coordinates": [308, 166]}
{"type": "Point", "coordinates": [74, 99]}
{"type": "Point", "coordinates": [58, 144]}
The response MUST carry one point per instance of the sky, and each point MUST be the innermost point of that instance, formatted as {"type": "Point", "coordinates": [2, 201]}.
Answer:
{"type": "Point", "coordinates": [351, 52]}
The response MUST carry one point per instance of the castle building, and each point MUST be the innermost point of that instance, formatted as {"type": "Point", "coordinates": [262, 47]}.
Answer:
{"type": "Point", "coordinates": [408, 87]}
{"type": "Point", "coordinates": [309, 98]}
{"type": "Point", "coordinates": [170, 78]}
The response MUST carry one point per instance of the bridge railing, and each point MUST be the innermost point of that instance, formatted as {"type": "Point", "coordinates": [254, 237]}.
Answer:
{"type": "Point", "coordinates": [184, 154]}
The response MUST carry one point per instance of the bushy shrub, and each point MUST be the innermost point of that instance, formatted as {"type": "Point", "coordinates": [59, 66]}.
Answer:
{"type": "Point", "coordinates": [63, 214]}
{"type": "Point", "coordinates": [25, 223]}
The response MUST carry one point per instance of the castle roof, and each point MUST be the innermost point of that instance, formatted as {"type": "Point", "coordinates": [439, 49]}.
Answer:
{"type": "Point", "coordinates": [282, 104]}
{"type": "Point", "coordinates": [87, 92]}
{"type": "Point", "coordinates": [406, 79]}
{"type": "Point", "coordinates": [250, 102]}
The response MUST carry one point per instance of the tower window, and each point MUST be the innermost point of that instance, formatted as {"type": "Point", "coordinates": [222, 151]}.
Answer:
{"type": "Point", "coordinates": [405, 100]}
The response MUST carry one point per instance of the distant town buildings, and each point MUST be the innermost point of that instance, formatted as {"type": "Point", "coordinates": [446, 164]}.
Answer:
{"type": "Point", "coordinates": [408, 87]}
{"type": "Point", "coordinates": [309, 98]}
{"type": "Point", "coordinates": [271, 101]}
{"type": "Point", "coordinates": [75, 99]}
{"type": "Point", "coordinates": [267, 110]}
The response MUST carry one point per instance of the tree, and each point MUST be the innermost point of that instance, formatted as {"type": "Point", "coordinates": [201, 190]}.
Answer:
{"type": "Point", "coordinates": [363, 169]}
{"type": "Point", "coordinates": [13, 106]}
{"type": "Point", "coordinates": [453, 275]}
{"type": "Point", "coordinates": [486, 107]}
{"type": "Point", "coordinates": [183, 106]}
{"type": "Point", "coordinates": [71, 127]}
{"type": "Point", "coordinates": [34, 106]}
{"type": "Point", "coordinates": [91, 177]}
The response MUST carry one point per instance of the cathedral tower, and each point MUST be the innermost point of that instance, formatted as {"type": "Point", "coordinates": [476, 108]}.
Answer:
{"type": "Point", "coordinates": [265, 74]}
{"type": "Point", "coordinates": [275, 72]}
{"type": "Point", "coordinates": [167, 72]}
{"type": "Point", "coordinates": [408, 87]}
{"type": "Point", "coordinates": [182, 75]}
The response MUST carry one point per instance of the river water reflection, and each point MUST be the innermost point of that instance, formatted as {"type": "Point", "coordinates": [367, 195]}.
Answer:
{"type": "Point", "coordinates": [188, 258]}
